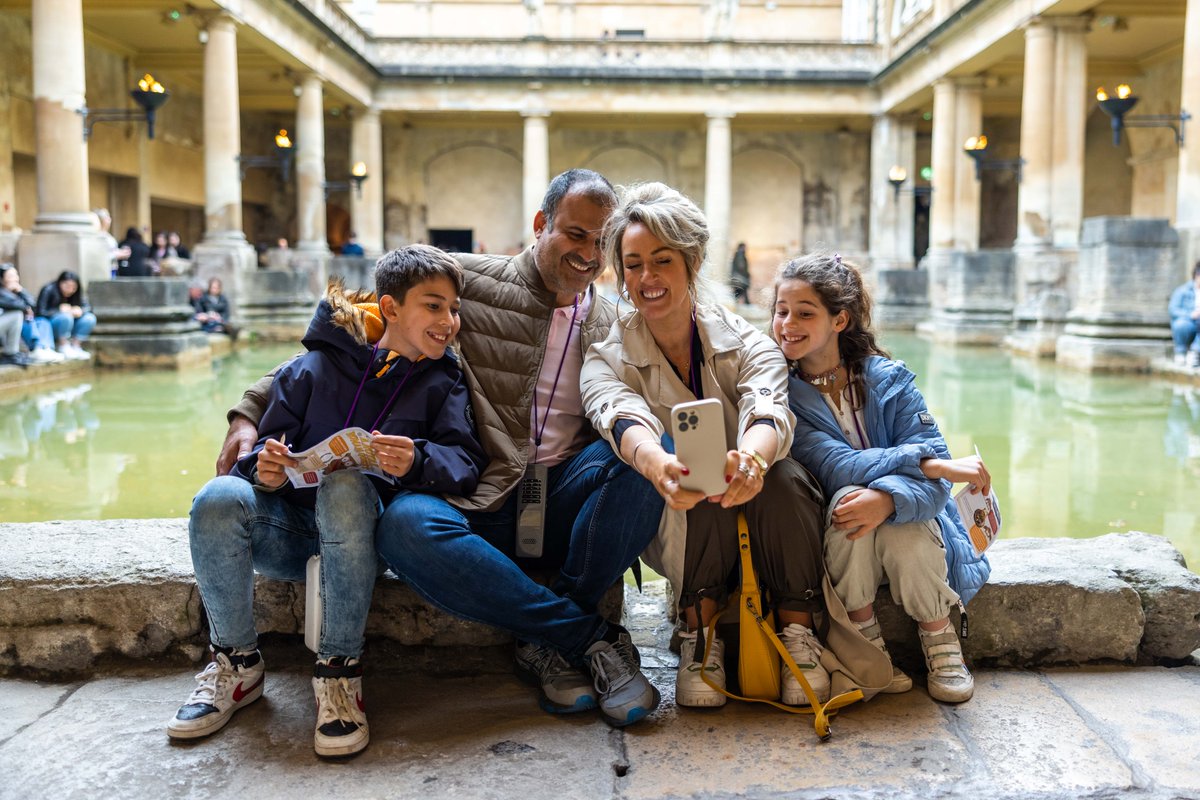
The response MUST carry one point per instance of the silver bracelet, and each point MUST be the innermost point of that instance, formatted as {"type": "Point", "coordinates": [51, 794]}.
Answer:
{"type": "Point", "coordinates": [636, 447]}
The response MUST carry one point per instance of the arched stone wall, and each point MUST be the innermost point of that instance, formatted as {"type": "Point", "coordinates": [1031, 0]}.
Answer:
{"type": "Point", "coordinates": [767, 211]}
{"type": "Point", "coordinates": [624, 164]}
{"type": "Point", "coordinates": [476, 186]}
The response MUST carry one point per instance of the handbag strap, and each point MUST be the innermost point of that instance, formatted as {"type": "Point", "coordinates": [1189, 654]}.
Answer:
{"type": "Point", "coordinates": [749, 597]}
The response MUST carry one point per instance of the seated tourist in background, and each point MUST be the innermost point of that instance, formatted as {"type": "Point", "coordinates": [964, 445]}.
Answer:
{"type": "Point", "coordinates": [35, 332]}
{"type": "Point", "coordinates": [408, 391]}
{"type": "Point", "coordinates": [1185, 320]}
{"type": "Point", "coordinates": [863, 429]}
{"type": "Point", "coordinates": [62, 304]}
{"type": "Point", "coordinates": [212, 308]}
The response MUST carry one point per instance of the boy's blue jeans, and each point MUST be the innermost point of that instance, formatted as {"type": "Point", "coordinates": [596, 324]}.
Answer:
{"type": "Point", "coordinates": [600, 516]}
{"type": "Point", "coordinates": [236, 530]}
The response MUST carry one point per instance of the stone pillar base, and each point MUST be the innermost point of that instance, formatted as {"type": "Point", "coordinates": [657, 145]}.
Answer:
{"type": "Point", "coordinates": [1043, 279]}
{"type": "Point", "coordinates": [1189, 250]}
{"type": "Point", "coordinates": [278, 305]}
{"type": "Point", "coordinates": [314, 266]}
{"type": "Point", "coordinates": [8, 244]}
{"type": "Point", "coordinates": [147, 323]}
{"type": "Point", "coordinates": [42, 255]}
{"type": "Point", "coordinates": [1034, 338]}
{"type": "Point", "coordinates": [901, 298]}
{"type": "Point", "coordinates": [356, 272]}
{"type": "Point", "coordinates": [971, 296]}
{"type": "Point", "coordinates": [1104, 354]}
{"type": "Point", "coordinates": [230, 259]}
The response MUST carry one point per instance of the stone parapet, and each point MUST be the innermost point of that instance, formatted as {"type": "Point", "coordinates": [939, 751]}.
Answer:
{"type": "Point", "coordinates": [146, 322]}
{"type": "Point", "coordinates": [278, 304]}
{"type": "Point", "coordinates": [1127, 267]}
{"type": "Point", "coordinates": [75, 593]}
{"type": "Point", "coordinates": [971, 296]}
{"type": "Point", "coordinates": [901, 298]}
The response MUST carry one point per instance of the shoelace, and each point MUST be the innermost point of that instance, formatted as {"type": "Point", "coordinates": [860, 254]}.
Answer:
{"type": "Point", "coordinates": [336, 702]}
{"type": "Point", "coordinates": [716, 655]}
{"type": "Point", "coordinates": [802, 645]}
{"type": "Point", "coordinates": [547, 663]}
{"type": "Point", "coordinates": [213, 681]}
{"type": "Point", "coordinates": [610, 667]}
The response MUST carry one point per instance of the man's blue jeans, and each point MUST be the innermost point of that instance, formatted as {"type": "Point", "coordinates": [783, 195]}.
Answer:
{"type": "Point", "coordinates": [600, 516]}
{"type": "Point", "coordinates": [236, 530]}
{"type": "Point", "coordinates": [1184, 332]}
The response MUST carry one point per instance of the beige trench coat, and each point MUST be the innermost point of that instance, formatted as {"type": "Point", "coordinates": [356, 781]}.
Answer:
{"type": "Point", "coordinates": [627, 376]}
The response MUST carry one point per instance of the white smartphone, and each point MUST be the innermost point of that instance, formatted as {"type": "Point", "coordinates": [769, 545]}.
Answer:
{"type": "Point", "coordinates": [698, 428]}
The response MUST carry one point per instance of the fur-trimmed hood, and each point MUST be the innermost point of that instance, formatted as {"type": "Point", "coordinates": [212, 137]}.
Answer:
{"type": "Point", "coordinates": [353, 312]}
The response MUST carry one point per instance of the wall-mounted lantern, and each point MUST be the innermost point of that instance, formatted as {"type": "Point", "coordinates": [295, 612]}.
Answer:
{"type": "Point", "coordinates": [977, 146]}
{"type": "Point", "coordinates": [149, 95]}
{"type": "Point", "coordinates": [1118, 109]}
{"type": "Point", "coordinates": [281, 159]}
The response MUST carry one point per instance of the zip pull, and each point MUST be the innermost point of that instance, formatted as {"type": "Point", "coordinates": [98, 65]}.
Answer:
{"type": "Point", "coordinates": [962, 620]}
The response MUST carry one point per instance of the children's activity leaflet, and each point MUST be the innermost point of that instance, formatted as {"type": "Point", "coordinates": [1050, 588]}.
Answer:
{"type": "Point", "coordinates": [980, 515]}
{"type": "Point", "coordinates": [346, 449]}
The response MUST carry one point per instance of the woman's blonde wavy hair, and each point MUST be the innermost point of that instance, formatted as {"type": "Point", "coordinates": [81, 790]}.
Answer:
{"type": "Point", "coordinates": [671, 217]}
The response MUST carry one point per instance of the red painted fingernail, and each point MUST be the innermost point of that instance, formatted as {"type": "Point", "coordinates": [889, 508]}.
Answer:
{"type": "Point", "coordinates": [728, 478]}
{"type": "Point", "coordinates": [686, 471]}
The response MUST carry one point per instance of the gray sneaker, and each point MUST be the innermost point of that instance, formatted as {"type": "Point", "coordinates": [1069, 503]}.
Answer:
{"type": "Point", "coordinates": [565, 690]}
{"type": "Point", "coordinates": [625, 696]}
{"type": "Point", "coordinates": [949, 679]}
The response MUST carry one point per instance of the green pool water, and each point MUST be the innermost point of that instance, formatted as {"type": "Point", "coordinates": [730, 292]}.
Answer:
{"type": "Point", "coordinates": [1071, 454]}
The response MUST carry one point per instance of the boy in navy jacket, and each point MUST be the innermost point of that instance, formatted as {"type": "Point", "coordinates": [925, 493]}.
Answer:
{"type": "Point", "coordinates": [406, 389]}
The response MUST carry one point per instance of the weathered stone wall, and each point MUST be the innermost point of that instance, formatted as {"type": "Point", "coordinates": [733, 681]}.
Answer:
{"type": "Point", "coordinates": [74, 593]}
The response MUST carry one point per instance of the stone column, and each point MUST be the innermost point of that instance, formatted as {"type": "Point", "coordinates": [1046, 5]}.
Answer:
{"type": "Point", "coordinates": [366, 212]}
{"type": "Point", "coordinates": [1043, 297]}
{"type": "Point", "coordinates": [1037, 136]}
{"type": "Point", "coordinates": [968, 122]}
{"type": "Point", "coordinates": [223, 252]}
{"type": "Point", "coordinates": [893, 142]}
{"type": "Point", "coordinates": [1071, 102]}
{"type": "Point", "coordinates": [536, 166]}
{"type": "Point", "coordinates": [310, 167]}
{"type": "Point", "coordinates": [946, 152]}
{"type": "Point", "coordinates": [1187, 206]}
{"type": "Point", "coordinates": [65, 234]}
{"type": "Point", "coordinates": [901, 293]}
{"type": "Point", "coordinates": [8, 232]}
{"type": "Point", "coordinates": [718, 182]}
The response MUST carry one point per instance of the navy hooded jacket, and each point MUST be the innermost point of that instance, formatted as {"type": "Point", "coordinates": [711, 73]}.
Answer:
{"type": "Point", "coordinates": [312, 396]}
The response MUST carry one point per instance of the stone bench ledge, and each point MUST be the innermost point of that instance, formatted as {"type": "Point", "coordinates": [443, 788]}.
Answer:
{"type": "Point", "coordinates": [75, 592]}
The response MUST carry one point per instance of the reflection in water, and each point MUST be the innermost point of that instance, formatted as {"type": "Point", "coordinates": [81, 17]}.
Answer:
{"type": "Point", "coordinates": [1072, 454]}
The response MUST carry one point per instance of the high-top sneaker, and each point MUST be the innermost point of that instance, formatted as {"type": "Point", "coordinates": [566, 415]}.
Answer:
{"type": "Point", "coordinates": [229, 682]}
{"type": "Point", "coordinates": [949, 679]}
{"type": "Point", "coordinates": [565, 689]}
{"type": "Point", "coordinates": [690, 688]}
{"type": "Point", "coordinates": [805, 650]}
{"type": "Point", "coordinates": [623, 693]}
{"type": "Point", "coordinates": [871, 631]}
{"type": "Point", "coordinates": [341, 718]}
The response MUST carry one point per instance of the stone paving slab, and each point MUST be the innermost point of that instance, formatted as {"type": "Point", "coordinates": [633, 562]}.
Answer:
{"type": "Point", "coordinates": [1052, 735]}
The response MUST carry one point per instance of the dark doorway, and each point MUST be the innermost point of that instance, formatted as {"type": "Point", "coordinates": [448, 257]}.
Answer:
{"type": "Point", "coordinates": [453, 240]}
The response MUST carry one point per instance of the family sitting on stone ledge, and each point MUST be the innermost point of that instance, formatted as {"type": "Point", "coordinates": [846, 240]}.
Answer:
{"type": "Point", "coordinates": [830, 453]}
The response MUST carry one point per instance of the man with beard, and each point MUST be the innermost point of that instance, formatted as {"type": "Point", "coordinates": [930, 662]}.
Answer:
{"type": "Point", "coordinates": [527, 321]}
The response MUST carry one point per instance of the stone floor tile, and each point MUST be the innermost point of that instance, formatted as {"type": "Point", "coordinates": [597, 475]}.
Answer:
{"type": "Point", "coordinates": [1150, 716]}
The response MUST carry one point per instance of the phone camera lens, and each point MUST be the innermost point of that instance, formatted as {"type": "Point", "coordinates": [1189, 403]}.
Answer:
{"type": "Point", "coordinates": [693, 419]}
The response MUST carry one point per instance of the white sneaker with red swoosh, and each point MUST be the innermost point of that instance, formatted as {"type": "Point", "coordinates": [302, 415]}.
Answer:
{"type": "Point", "coordinates": [228, 683]}
{"type": "Point", "coordinates": [341, 717]}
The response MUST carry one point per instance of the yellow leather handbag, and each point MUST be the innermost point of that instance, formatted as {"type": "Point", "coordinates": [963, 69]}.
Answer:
{"type": "Point", "coordinates": [760, 652]}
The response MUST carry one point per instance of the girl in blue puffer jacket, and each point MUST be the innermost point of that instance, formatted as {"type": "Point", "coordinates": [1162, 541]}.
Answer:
{"type": "Point", "coordinates": [863, 430]}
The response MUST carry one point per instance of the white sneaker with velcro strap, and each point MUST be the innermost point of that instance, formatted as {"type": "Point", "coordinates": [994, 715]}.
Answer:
{"type": "Point", "coordinates": [872, 633]}
{"type": "Point", "coordinates": [949, 679]}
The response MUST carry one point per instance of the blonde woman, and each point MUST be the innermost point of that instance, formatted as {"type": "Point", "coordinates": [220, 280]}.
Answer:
{"type": "Point", "coordinates": [674, 347]}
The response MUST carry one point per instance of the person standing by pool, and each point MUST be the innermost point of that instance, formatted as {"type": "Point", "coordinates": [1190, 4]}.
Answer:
{"type": "Point", "coordinates": [674, 348]}
{"type": "Point", "coordinates": [527, 321]}
{"type": "Point", "coordinates": [864, 431]}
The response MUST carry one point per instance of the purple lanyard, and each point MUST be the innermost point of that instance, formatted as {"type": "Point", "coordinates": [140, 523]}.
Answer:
{"type": "Point", "coordinates": [388, 405]}
{"type": "Point", "coordinates": [693, 367]}
{"type": "Point", "coordinates": [538, 431]}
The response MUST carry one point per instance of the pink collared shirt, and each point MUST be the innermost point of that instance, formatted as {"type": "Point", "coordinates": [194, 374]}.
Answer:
{"type": "Point", "coordinates": [565, 421]}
